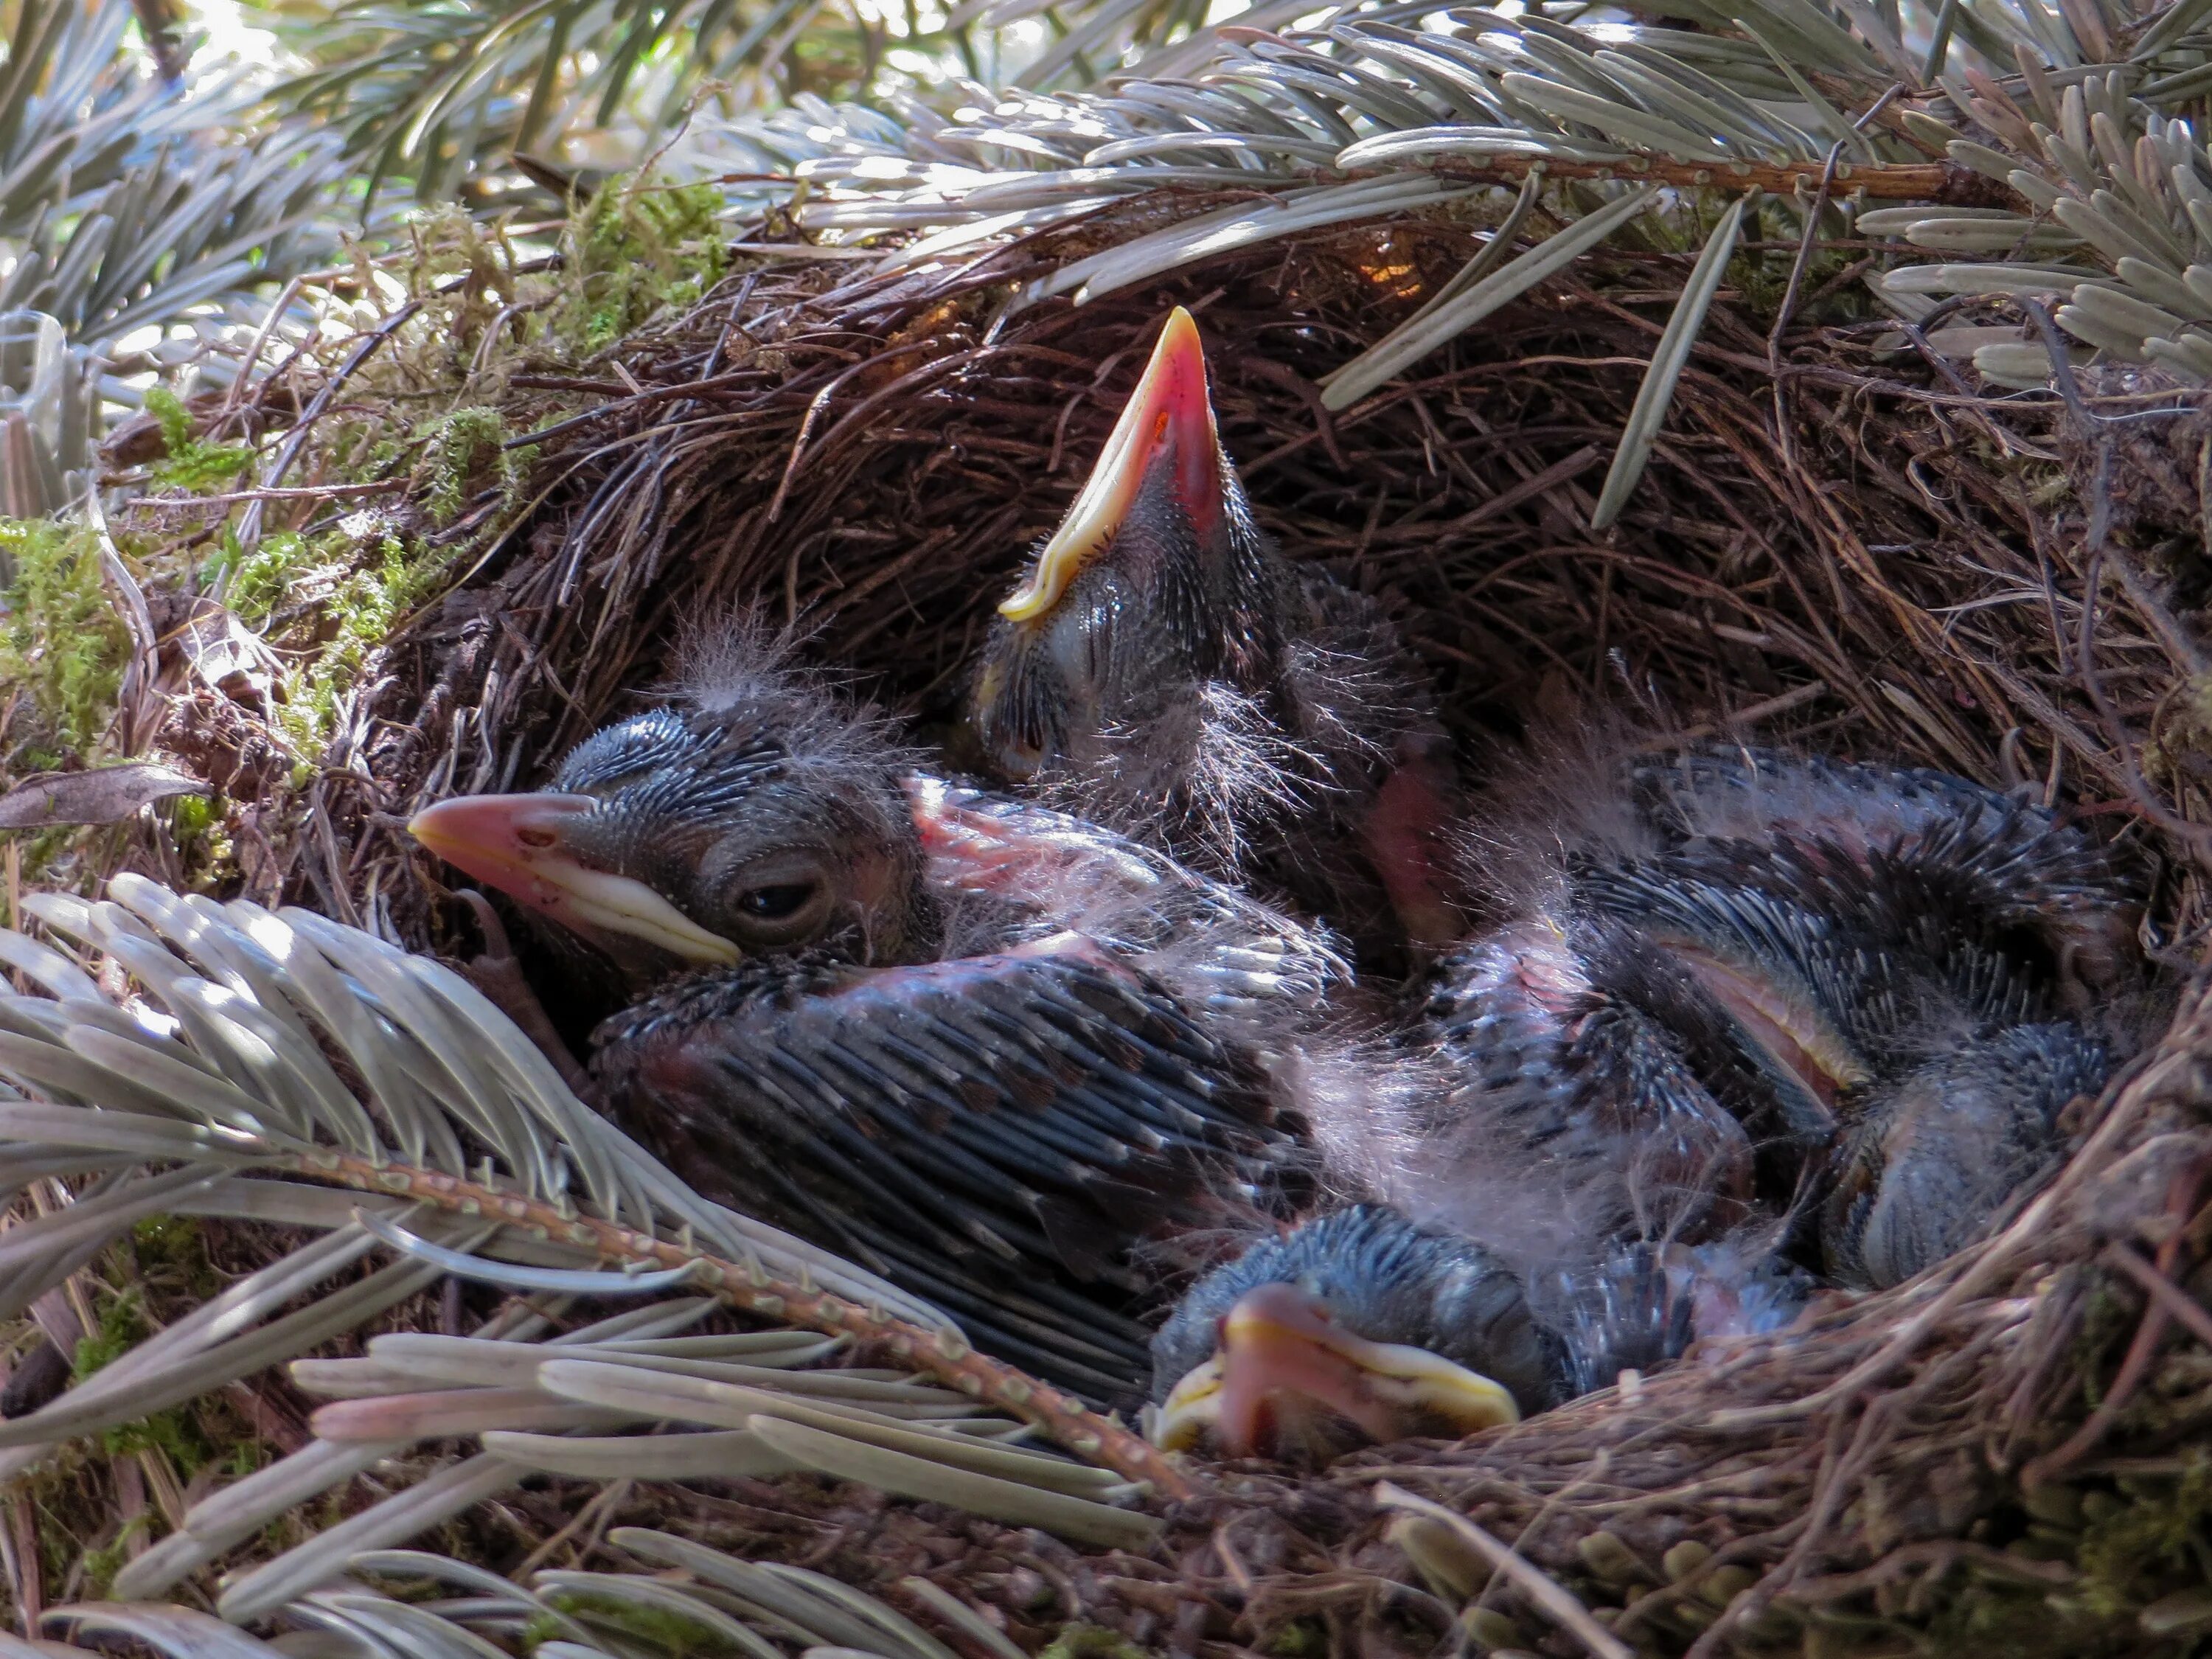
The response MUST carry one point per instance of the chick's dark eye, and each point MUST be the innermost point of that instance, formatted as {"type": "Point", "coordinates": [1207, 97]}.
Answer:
{"type": "Point", "coordinates": [776, 902]}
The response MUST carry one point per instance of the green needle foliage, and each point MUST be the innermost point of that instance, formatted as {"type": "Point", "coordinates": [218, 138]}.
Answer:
{"type": "Point", "coordinates": [129, 201]}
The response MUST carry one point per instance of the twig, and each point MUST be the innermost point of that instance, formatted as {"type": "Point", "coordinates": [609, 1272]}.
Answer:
{"type": "Point", "coordinates": [1749, 715]}
{"type": "Point", "coordinates": [1806, 244]}
{"type": "Point", "coordinates": [249, 529]}
{"type": "Point", "coordinates": [1910, 181]}
{"type": "Point", "coordinates": [591, 1518]}
{"type": "Point", "coordinates": [2163, 1291]}
{"type": "Point", "coordinates": [293, 493]}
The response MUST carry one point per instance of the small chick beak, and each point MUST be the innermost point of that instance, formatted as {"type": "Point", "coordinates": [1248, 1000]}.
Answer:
{"type": "Point", "coordinates": [1804, 1046]}
{"type": "Point", "coordinates": [1165, 439]}
{"type": "Point", "coordinates": [1283, 1365]}
{"type": "Point", "coordinates": [513, 843]}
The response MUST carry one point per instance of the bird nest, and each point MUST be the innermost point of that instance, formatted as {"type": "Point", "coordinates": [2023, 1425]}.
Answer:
{"type": "Point", "coordinates": [1845, 538]}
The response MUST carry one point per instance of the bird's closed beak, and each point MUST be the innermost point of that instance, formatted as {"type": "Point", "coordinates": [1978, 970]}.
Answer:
{"type": "Point", "coordinates": [1807, 1057]}
{"type": "Point", "coordinates": [1164, 442]}
{"type": "Point", "coordinates": [1285, 1374]}
{"type": "Point", "coordinates": [514, 843]}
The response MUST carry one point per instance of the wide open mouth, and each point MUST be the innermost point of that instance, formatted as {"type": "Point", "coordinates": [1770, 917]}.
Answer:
{"type": "Point", "coordinates": [1165, 439]}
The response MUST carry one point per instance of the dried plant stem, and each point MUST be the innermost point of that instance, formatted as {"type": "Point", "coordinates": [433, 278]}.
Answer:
{"type": "Point", "coordinates": [1900, 182]}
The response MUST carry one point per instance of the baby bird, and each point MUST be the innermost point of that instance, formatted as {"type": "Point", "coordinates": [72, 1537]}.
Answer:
{"type": "Point", "coordinates": [1364, 1326]}
{"type": "Point", "coordinates": [990, 1049]}
{"type": "Point", "coordinates": [1929, 1160]}
{"type": "Point", "coordinates": [1162, 670]}
{"type": "Point", "coordinates": [1359, 1325]}
{"type": "Point", "coordinates": [1815, 936]}
{"type": "Point", "coordinates": [1734, 989]}
{"type": "Point", "coordinates": [1945, 966]}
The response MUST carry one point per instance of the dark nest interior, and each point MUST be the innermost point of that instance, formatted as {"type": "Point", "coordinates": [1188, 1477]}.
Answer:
{"type": "Point", "coordinates": [1845, 539]}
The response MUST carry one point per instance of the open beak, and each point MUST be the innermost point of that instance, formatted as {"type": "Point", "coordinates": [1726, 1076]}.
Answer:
{"type": "Point", "coordinates": [1287, 1373]}
{"type": "Point", "coordinates": [1165, 441]}
{"type": "Point", "coordinates": [514, 843]}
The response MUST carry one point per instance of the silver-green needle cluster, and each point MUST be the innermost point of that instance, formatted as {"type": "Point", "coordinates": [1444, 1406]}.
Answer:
{"type": "Point", "coordinates": [743, 1607]}
{"type": "Point", "coordinates": [178, 1064]}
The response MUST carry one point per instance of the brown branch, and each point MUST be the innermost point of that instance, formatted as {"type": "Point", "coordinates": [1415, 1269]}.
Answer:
{"type": "Point", "coordinates": [1914, 181]}
{"type": "Point", "coordinates": [2163, 1291]}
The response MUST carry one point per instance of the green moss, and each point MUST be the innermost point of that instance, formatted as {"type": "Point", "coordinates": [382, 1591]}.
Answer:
{"type": "Point", "coordinates": [1989, 1614]}
{"type": "Point", "coordinates": [172, 1254]}
{"type": "Point", "coordinates": [193, 816]}
{"type": "Point", "coordinates": [666, 1631]}
{"type": "Point", "coordinates": [542, 1628]}
{"type": "Point", "coordinates": [260, 579]}
{"type": "Point", "coordinates": [121, 1325]}
{"type": "Point", "coordinates": [464, 449]}
{"type": "Point", "coordinates": [362, 608]}
{"type": "Point", "coordinates": [170, 1251]}
{"type": "Point", "coordinates": [196, 823]}
{"type": "Point", "coordinates": [640, 246]}
{"type": "Point", "coordinates": [188, 464]}
{"type": "Point", "coordinates": [61, 640]}
{"type": "Point", "coordinates": [1091, 1641]}
{"type": "Point", "coordinates": [101, 1566]}
{"type": "Point", "coordinates": [2130, 1551]}
{"type": "Point", "coordinates": [2107, 1317]}
{"type": "Point", "coordinates": [42, 851]}
{"type": "Point", "coordinates": [1298, 1640]}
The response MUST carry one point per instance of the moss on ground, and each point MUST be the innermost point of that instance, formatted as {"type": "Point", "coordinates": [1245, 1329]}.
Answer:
{"type": "Point", "coordinates": [428, 422]}
{"type": "Point", "coordinates": [362, 610]}
{"type": "Point", "coordinates": [168, 1257]}
{"type": "Point", "coordinates": [464, 453]}
{"type": "Point", "coordinates": [1091, 1641]}
{"type": "Point", "coordinates": [187, 463]}
{"type": "Point", "coordinates": [662, 1629]}
{"type": "Point", "coordinates": [63, 645]}
{"type": "Point", "coordinates": [2145, 1539]}
{"type": "Point", "coordinates": [641, 247]}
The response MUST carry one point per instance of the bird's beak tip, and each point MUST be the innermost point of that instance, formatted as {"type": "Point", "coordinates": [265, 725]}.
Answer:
{"type": "Point", "coordinates": [1171, 414]}
{"type": "Point", "coordinates": [508, 831]}
{"type": "Point", "coordinates": [1191, 1414]}
{"type": "Point", "coordinates": [513, 843]}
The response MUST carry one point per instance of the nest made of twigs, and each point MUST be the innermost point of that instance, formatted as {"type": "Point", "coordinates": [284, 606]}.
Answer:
{"type": "Point", "coordinates": [1843, 539]}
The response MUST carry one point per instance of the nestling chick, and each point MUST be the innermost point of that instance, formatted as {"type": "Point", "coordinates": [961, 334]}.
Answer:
{"type": "Point", "coordinates": [1162, 670]}
{"type": "Point", "coordinates": [986, 1048]}
{"type": "Point", "coordinates": [1364, 1327]}
{"type": "Point", "coordinates": [1928, 1161]}
{"type": "Point", "coordinates": [1357, 1325]}
{"type": "Point", "coordinates": [1890, 954]}
{"type": "Point", "coordinates": [1705, 976]}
